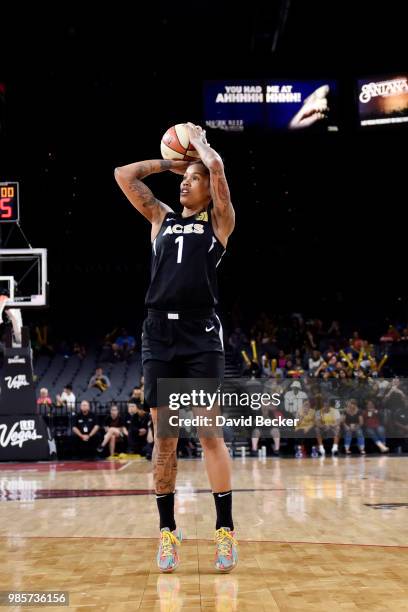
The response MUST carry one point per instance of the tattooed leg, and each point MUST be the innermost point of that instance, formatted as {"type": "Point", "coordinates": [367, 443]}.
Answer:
{"type": "Point", "coordinates": [164, 461]}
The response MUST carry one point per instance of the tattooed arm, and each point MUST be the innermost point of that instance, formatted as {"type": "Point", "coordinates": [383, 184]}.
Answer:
{"type": "Point", "coordinates": [129, 179]}
{"type": "Point", "coordinates": [223, 211]}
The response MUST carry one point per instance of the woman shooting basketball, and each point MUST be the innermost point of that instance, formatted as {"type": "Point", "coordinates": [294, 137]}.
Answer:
{"type": "Point", "coordinates": [182, 335]}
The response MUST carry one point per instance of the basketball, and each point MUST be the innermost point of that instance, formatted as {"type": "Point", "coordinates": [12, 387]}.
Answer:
{"type": "Point", "coordinates": [175, 144]}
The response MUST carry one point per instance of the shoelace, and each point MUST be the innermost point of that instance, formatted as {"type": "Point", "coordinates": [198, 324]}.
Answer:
{"type": "Point", "coordinates": [224, 540]}
{"type": "Point", "coordinates": [167, 540]}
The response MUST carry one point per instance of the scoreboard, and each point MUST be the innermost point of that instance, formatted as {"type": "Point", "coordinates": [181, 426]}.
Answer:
{"type": "Point", "coordinates": [9, 203]}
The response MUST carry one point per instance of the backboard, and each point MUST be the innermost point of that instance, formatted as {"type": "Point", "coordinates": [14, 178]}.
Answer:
{"type": "Point", "coordinates": [23, 273]}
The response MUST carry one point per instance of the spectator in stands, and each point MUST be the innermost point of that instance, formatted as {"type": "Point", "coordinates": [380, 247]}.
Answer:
{"type": "Point", "coordinates": [298, 367]}
{"type": "Point", "coordinates": [123, 346]}
{"type": "Point", "coordinates": [99, 380]}
{"type": "Point", "coordinates": [136, 396]}
{"type": "Point", "coordinates": [129, 422]}
{"type": "Point", "coordinates": [269, 412]}
{"type": "Point", "coordinates": [373, 427]}
{"type": "Point", "coordinates": [282, 360]}
{"type": "Point", "coordinates": [115, 429]}
{"type": "Point", "coordinates": [306, 427]}
{"type": "Point", "coordinates": [356, 341]}
{"type": "Point", "coordinates": [85, 429]}
{"type": "Point", "coordinates": [136, 425]}
{"type": "Point", "coordinates": [294, 398]}
{"type": "Point", "coordinates": [394, 397]}
{"type": "Point", "coordinates": [328, 426]}
{"type": "Point", "coordinates": [353, 426]}
{"type": "Point", "coordinates": [266, 365]}
{"type": "Point", "coordinates": [67, 397]}
{"type": "Point", "coordinates": [314, 362]}
{"type": "Point", "coordinates": [44, 399]}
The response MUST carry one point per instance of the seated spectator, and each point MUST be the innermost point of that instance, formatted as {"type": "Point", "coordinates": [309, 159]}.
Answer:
{"type": "Point", "coordinates": [295, 370]}
{"type": "Point", "coordinates": [356, 341]}
{"type": "Point", "coordinates": [44, 399]}
{"type": "Point", "coordinates": [99, 380]}
{"type": "Point", "coordinates": [282, 360]}
{"type": "Point", "coordinates": [306, 427]}
{"type": "Point", "coordinates": [271, 412]}
{"type": "Point", "coordinates": [353, 426]}
{"type": "Point", "coordinates": [136, 425]}
{"type": "Point", "coordinates": [266, 365]}
{"type": "Point", "coordinates": [294, 398]}
{"type": "Point", "coordinates": [374, 429]}
{"type": "Point", "coordinates": [328, 426]}
{"type": "Point", "coordinates": [115, 429]}
{"type": "Point", "coordinates": [85, 429]}
{"type": "Point", "coordinates": [123, 346]}
{"type": "Point", "coordinates": [315, 361]}
{"type": "Point", "coordinates": [67, 398]}
{"type": "Point", "coordinates": [136, 396]}
{"type": "Point", "coordinates": [394, 397]}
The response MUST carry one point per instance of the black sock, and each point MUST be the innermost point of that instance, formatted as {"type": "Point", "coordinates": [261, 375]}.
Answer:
{"type": "Point", "coordinates": [223, 506]}
{"type": "Point", "coordinates": [165, 505]}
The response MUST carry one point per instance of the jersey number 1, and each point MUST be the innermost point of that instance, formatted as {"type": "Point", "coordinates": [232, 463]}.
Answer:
{"type": "Point", "coordinates": [180, 248]}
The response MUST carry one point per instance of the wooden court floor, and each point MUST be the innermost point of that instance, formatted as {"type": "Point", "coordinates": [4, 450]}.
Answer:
{"type": "Point", "coordinates": [315, 534]}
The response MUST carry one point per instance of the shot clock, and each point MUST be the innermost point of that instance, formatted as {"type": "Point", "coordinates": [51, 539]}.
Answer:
{"type": "Point", "coordinates": [9, 203]}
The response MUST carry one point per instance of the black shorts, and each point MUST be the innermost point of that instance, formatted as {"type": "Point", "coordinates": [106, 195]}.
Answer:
{"type": "Point", "coordinates": [190, 346]}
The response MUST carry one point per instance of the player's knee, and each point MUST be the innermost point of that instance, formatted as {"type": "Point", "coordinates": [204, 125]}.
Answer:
{"type": "Point", "coordinates": [165, 445]}
{"type": "Point", "coordinates": [211, 444]}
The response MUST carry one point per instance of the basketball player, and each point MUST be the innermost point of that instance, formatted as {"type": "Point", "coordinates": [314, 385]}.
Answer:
{"type": "Point", "coordinates": [182, 335]}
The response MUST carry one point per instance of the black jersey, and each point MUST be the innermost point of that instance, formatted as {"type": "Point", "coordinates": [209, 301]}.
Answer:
{"type": "Point", "coordinates": [185, 255]}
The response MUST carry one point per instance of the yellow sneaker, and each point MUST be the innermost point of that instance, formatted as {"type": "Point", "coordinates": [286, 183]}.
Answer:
{"type": "Point", "coordinates": [226, 553]}
{"type": "Point", "coordinates": [167, 555]}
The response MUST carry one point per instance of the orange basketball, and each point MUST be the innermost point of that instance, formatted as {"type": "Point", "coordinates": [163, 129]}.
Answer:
{"type": "Point", "coordinates": [175, 144]}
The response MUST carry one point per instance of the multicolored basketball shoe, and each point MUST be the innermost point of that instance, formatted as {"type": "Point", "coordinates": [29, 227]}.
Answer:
{"type": "Point", "coordinates": [226, 554]}
{"type": "Point", "coordinates": [167, 555]}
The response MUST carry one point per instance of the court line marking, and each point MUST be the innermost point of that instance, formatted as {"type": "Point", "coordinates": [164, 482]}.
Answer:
{"type": "Point", "coordinates": [124, 466]}
{"type": "Point", "coordinates": [296, 542]}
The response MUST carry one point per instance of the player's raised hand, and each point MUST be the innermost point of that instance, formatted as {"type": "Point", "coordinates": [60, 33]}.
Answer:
{"type": "Point", "coordinates": [196, 134]}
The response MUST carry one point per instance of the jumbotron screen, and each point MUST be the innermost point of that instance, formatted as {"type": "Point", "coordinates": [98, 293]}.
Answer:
{"type": "Point", "coordinates": [383, 100]}
{"type": "Point", "coordinates": [273, 104]}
